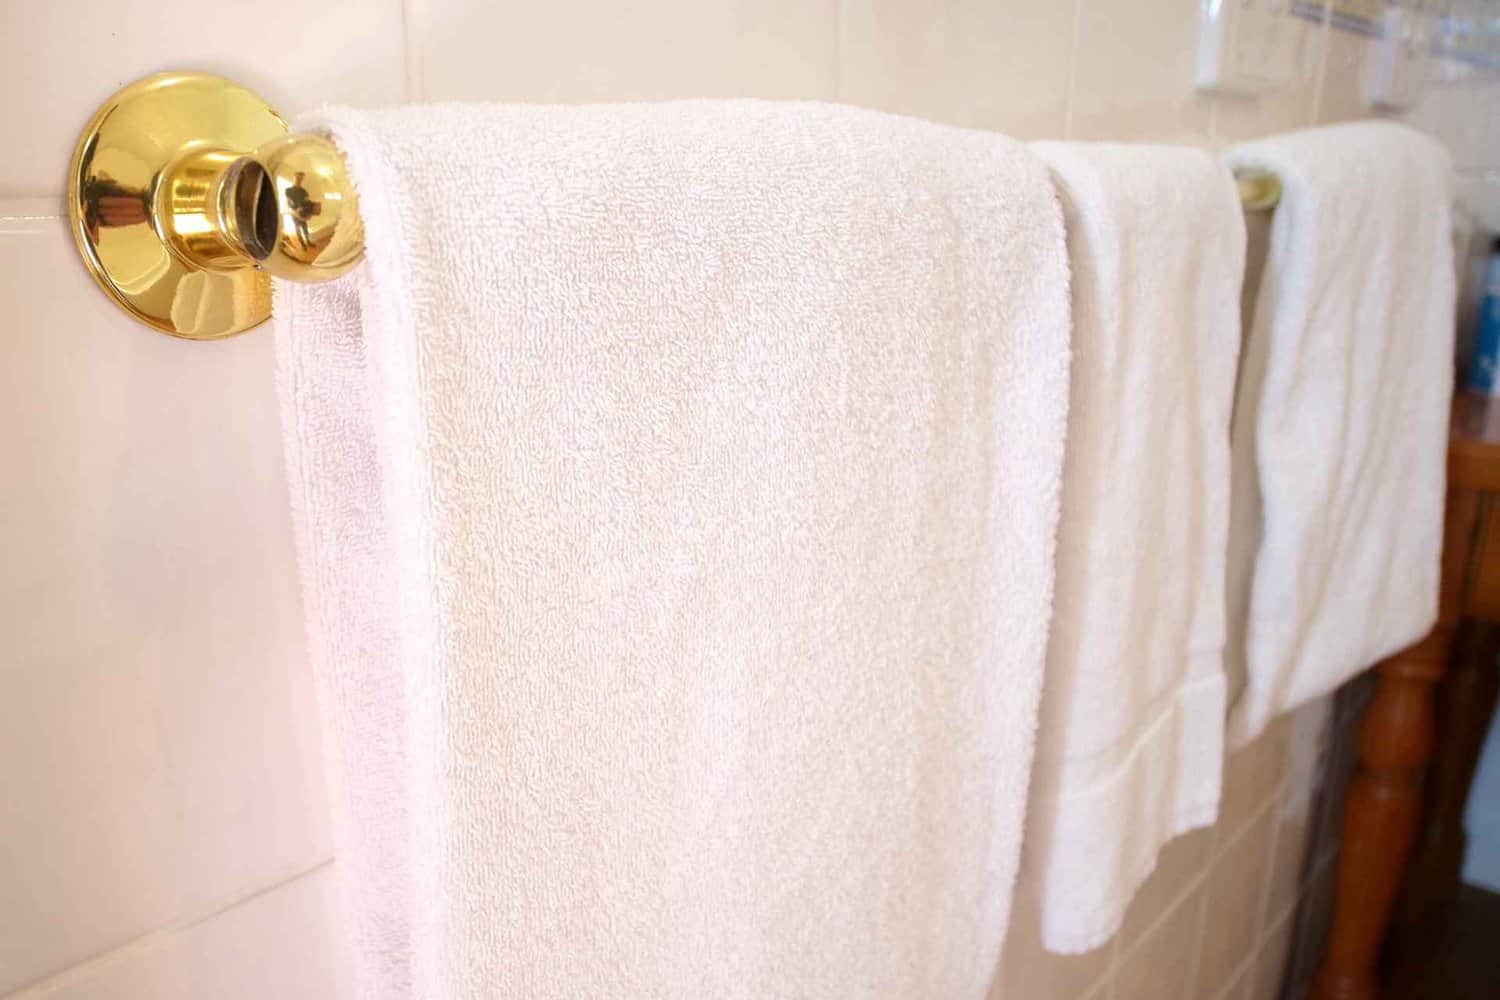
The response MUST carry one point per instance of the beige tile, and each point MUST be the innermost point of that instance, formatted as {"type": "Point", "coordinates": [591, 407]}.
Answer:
{"type": "Point", "coordinates": [996, 64]}
{"type": "Point", "coordinates": [1295, 810]}
{"type": "Point", "coordinates": [1309, 743]}
{"type": "Point", "coordinates": [1180, 862]}
{"type": "Point", "coordinates": [1343, 96]}
{"type": "Point", "coordinates": [1133, 76]}
{"type": "Point", "coordinates": [574, 51]}
{"type": "Point", "coordinates": [1029, 971]}
{"type": "Point", "coordinates": [1480, 196]}
{"type": "Point", "coordinates": [1461, 109]}
{"type": "Point", "coordinates": [158, 744]}
{"type": "Point", "coordinates": [1160, 965]}
{"type": "Point", "coordinates": [1288, 863]}
{"type": "Point", "coordinates": [1270, 961]}
{"type": "Point", "coordinates": [60, 61]}
{"type": "Point", "coordinates": [1234, 895]}
{"type": "Point", "coordinates": [1252, 776]}
{"type": "Point", "coordinates": [285, 943]}
{"type": "Point", "coordinates": [1288, 106]}
{"type": "Point", "coordinates": [1239, 987]}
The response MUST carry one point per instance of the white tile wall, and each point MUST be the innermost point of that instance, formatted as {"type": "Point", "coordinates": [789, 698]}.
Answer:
{"type": "Point", "coordinates": [162, 793]}
{"type": "Point", "coordinates": [58, 61]}
{"type": "Point", "coordinates": [1149, 46]}
{"type": "Point", "coordinates": [998, 64]}
{"type": "Point", "coordinates": [157, 740]}
{"type": "Point", "coordinates": [282, 943]}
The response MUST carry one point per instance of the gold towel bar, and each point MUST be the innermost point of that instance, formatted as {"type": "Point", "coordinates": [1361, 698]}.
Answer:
{"type": "Point", "coordinates": [187, 192]}
{"type": "Point", "coordinates": [1260, 190]}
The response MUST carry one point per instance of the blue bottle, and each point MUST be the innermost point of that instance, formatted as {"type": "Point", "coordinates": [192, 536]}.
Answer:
{"type": "Point", "coordinates": [1484, 366]}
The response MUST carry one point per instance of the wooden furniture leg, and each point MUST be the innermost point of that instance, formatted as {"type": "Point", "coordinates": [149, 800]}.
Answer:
{"type": "Point", "coordinates": [1380, 817]}
{"type": "Point", "coordinates": [1465, 705]}
{"type": "Point", "coordinates": [1384, 802]}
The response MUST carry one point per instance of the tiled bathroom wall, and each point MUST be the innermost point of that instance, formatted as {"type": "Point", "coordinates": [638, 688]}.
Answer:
{"type": "Point", "coordinates": [162, 827]}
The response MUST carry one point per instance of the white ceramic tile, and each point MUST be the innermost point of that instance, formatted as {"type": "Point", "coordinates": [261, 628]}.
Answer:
{"type": "Point", "coordinates": [1294, 812]}
{"type": "Point", "coordinates": [1479, 194]}
{"type": "Point", "coordinates": [996, 64]}
{"type": "Point", "coordinates": [1270, 960]}
{"type": "Point", "coordinates": [1160, 965]}
{"type": "Point", "coordinates": [1134, 72]}
{"type": "Point", "coordinates": [1288, 106]}
{"type": "Point", "coordinates": [573, 51]}
{"type": "Point", "coordinates": [1252, 776]}
{"type": "Point", "coordinates": [1239, 986]}
{"type": "Point", "coordinates": [285, 943]}
{"type": "Point", "coordinates": [60, 61]}
{"type": "Point", "coordinates": [1029, 971]}
{"type": "Point", "coordinates": [1462, 111]}
{"type": "Point", "coordinates": [1235, 894]}
{"type": "Point", "coordinates": [1181, 861]}
{"type": "Point", "coordinates": [1343, 95]}
{"type": "Point", "coordinates": [158, 748]}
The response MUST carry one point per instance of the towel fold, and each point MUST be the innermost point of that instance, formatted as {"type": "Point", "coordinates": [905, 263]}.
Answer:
{"type": "Point", "coordinates": [675, 490]}
{"type": "Point", "coordinates": [1132, 722]}
{"type": "Point", "coordinates": [1341, 416]}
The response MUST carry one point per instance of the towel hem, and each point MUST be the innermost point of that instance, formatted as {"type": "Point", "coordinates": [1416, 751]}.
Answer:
{"type": "Point", "coordinates": [1168, 785]}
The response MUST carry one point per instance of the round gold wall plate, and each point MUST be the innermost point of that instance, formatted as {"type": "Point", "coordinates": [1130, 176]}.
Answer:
{"type": "Point", "coordinates": [163, 138]}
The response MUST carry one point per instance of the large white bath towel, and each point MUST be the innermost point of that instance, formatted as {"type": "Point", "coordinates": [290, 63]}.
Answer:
{"type": "Point", "coordinates": [1341, 417]}
{"type": "Point", "coordinates": [1132, 723]}
{"type": "Point", "coordinates": [676, 489]}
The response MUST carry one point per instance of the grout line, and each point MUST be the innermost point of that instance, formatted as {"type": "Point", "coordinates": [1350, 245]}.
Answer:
{"type": "Point", "coordinates": [1263, 904]}
{"type": "Point", "coordinates": [1218, 851]}
{"type": "Point", "coordinates": [1112, 968]}
{"type": "Point", "coordinates": [840, 27]}
{"type": "Point", "coordinates": [1181, 899]}
{"type": "Point", "coordinates": [1286, 915]}
{"type": "Point", "coordinates": [31, 208]}
{"type": "Point", "coordinates": [78, 971]}
{"type": "Point", "coordinates": [1245, 968]}
{"type": "Point", "coordinates": [1119, 954]}
{"type": "Point", "coordinates": [1200, 933]}
{"type": "Point", "coordinates": [1071, 89]}
{"type": "Point", "coordinates": [1324, 33]}
{"type": "Point", "coordinates": [413, 85]}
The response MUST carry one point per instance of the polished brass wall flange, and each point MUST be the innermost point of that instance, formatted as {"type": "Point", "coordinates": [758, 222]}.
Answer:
{"type": "Point", "coordinates": [1260, 190]}
{"type": "Point", "coordinates": [187, 193]}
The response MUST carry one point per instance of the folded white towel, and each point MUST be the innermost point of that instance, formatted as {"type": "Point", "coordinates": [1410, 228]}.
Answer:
{"type": "Point", "coordinates": [1131, 740]}
{"type": "Point", "coordinates": [1341, 416]}
{"type": "Point", "coordinates": [676, 490]}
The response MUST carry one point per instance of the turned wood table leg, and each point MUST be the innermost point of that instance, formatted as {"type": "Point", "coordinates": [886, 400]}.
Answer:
{"type": "Point", "coordinates": [1384, 801]}
{"type": "Point", "coordinates": [1466, 701]}
{"type": "Point", "coordinates": [1380, 816]}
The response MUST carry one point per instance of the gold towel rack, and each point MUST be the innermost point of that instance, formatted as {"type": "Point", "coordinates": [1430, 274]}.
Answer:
{"type": "Point", "coordinates": [187, 193]}
{"type": "Point", "coordinates": [1260, 190]}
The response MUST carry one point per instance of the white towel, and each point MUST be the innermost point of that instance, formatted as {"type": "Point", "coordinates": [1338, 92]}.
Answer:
{"type": "Point", "coordinates": [1132, 722]}
{"type": "Point", "coordinates": [1341, 418]}
{"type": "Point", "coordinates": [676, 489]}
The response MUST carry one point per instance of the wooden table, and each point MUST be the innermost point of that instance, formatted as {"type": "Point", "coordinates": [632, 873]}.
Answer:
{"type": "Point", "coordinates": [1401, 834]}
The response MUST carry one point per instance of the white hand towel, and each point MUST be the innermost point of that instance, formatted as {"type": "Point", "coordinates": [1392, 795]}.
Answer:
{"type": "Point", "coordinates": [1341, 419]}
{"type": "Point", "coordinates": [1132, 722]}
{"type": "Point", "coordinates": [676, 490]}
